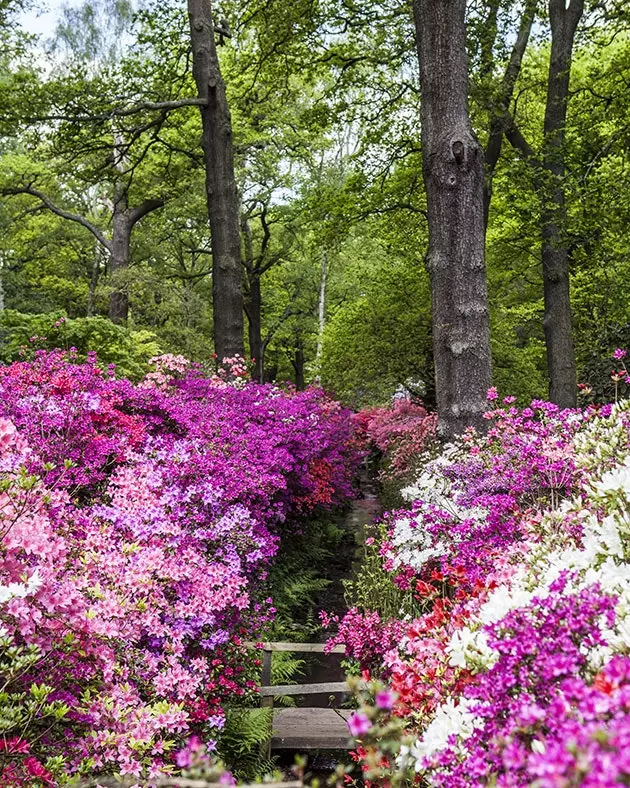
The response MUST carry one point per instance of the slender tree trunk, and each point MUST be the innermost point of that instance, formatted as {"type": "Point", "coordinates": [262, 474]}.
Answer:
{"type": "Point", "coordinates": [453, 169]}
{"type": "Point", "coordinates": [94, 278]}
{"type": "Point", "coordinates": [221, 190]}
{"type": "Point", "coordinates": [119, 264]}
{"type": "Point", "coordinates": [321, 312]}
{"type": "Point", "coordinates": [555, 251]}
{"type": "Point", "coordinates": [253, 303]}
{"type": "Point", "coordinates": [501, 118]}
{"type": "Point", "coordinates": [120, 254]}
{"type": "Point", "coordinates": [254, 320]}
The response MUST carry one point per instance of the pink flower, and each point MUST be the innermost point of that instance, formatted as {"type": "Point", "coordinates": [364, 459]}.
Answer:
{"type": "Point", "coordinates": [492, 394]}
{"type": "Point", "coordinates": [359, 724]}
{"type": "Point", "coordinates": [384, 699]}
{"type": "Point", "coordinates": [619, 354]}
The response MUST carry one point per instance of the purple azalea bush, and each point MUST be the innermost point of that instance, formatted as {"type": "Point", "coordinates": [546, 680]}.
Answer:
{"type": "Point", "coordinates": [137, 527]}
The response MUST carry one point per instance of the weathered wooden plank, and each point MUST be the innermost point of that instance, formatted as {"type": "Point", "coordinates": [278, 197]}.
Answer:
{"type": "Point", "coordinates": [310, 729]}
{"type": "Point", "coordinates": [298, 648]}
{"type": "Point", "coordinates": [304, 689]}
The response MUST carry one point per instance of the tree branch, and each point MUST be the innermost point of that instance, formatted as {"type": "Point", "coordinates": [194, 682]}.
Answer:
{"type": "Point", "coordinates": [72, 217]}
{"type": "Point", "coordinates": [521, 145]}
{"type": "Point", "coordinates": [123, 112]}
{"type": "Point", "coordinates": [137, 213]}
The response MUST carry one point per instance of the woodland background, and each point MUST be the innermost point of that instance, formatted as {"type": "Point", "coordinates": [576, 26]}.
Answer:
{"type": "Point", "coordinates": [324, 100]}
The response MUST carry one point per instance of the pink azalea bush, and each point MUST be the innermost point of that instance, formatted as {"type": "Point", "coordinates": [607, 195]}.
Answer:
{"type": "Point", "coordinates": [400, 433]}
{"type": "Point", "coordinates": [137, 526]}
{"type": "Point", "coordinates": [517, 546]}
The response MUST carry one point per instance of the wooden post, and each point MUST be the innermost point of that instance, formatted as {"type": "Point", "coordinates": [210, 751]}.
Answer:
{"type": "Point", "coordinates": [267, 701]}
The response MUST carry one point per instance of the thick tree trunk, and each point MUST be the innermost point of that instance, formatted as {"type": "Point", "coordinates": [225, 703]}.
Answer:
{"type": "Point", "coordinates": [453, 169]}
{"type": "Point", "coordinates": [221, 190]}
{"type": "Point", "coordinates": [555, 252]}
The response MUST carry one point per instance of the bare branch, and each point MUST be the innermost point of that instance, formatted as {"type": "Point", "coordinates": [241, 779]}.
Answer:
{"type": "Point", "coordinates": [72, 217]}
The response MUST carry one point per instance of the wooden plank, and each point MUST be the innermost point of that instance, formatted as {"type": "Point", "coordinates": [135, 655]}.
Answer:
{"type": "Point", "coordinates": [298, 648]}
{"type": "Point", "coordinates": [304, 689]}
{"type": "Point", "coordinates": [311, 729]}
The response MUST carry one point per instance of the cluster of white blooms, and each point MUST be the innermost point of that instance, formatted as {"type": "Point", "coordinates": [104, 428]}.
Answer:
{"type": "Point", "coordinates": [412, 545]}
{"type": "Point", "coordinates": [20, 590]}
{"type": "Point", "coordinates": [450, 719]}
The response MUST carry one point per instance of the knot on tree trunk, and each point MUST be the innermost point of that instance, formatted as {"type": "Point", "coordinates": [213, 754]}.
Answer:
{"type": "Point", "coordinates": [462, 149]}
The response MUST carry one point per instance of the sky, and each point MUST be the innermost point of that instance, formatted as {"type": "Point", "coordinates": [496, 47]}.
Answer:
{"type": "Point", "coordinates": [41, 18]}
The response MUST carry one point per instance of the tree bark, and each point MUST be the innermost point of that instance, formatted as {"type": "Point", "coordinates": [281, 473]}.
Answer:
{"type": "Point", "coordinates": [453, 170]}
{"type": "Point", "coordinates": [321, 313]}
{"type": "Point", "coordinates": [555, 252]}
{"type": "Point", "coordinates": [221, 190]}
{"type": "Point", "coordinates": [254, 321]}
{"type": "Point", "coordinates": [94, 279]}
{"type": "Point", "coordinates": [253, 302]}
{"type": "Point", "coordinates": [297, 362]}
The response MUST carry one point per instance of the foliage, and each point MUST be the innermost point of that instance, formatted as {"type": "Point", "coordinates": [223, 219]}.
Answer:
{"type": "Point", "coordinates": [129, 350]}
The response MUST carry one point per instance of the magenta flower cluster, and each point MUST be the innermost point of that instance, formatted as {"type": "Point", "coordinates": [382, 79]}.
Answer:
{"type": "Point", "coordinates": [137, 525]}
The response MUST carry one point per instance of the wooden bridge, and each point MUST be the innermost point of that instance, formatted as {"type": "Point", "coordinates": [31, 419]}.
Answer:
{"type": "Point", "coordinates": [307, 728]}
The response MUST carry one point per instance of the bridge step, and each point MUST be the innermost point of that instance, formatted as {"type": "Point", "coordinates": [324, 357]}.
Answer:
{"type": "Point", "coordinates": [311, 729]}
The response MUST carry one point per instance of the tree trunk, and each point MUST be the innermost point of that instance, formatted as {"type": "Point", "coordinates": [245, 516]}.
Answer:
{"type": "Point", "coordinates": [555, 252]}
{"type": "Point", "coordinates": [254, 321]}
{"type": "Point", "coordinates": [453, 170]}
{"type": "Point", "coordinates": [221, 190]}
{"type": "Point", "coordinates": [297, 362]}
{"type": "Point", "coordinates": [119, 260]}
{"type": "Point", "coordinates": [501, 118]}
{"type": "Point", "coordinates": [94, 278]}
{"type": "Point", "coordinates": [321, 313]}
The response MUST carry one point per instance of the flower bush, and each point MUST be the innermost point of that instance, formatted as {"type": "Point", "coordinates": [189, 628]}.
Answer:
{"type": "Point", "coordinates": [517, 547]}
{"type": "Point", "coordinates": [137, 526]}
{"type": "Point", "coordinates": [401, 432]}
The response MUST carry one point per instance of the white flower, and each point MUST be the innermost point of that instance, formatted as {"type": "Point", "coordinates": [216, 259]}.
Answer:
{"type": "Point", "coordinates": [538, 746]}
{"type": "Point", "coordinates": [449, 720]}
{"type": "Point", "coordinates": [616, 480]}
{"type": "Point", "coordinates": [470, 649]}
{"type": "Point", "coordinates": [20, 590]}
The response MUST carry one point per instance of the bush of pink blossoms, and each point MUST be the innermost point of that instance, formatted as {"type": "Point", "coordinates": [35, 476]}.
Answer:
{"type": "Point", "coordinates": [137, 524]}
{"type": "Point", "coordinates": [401, 432]}
{"type": "Point", "coordinates": [517, 674]}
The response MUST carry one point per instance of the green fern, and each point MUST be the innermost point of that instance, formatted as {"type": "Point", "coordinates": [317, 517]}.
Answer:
{"type": "Point", "coordinates": [241, 745]}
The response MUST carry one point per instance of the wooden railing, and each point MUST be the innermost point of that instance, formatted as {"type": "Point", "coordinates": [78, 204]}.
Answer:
{"type": "Point", "coordinates": [303, 728]}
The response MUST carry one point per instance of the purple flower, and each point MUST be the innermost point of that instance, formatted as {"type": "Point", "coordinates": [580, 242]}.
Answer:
{"type": "Point", "coordinates": [384, 699]}
{"type": "Point", "coordinates": [619, 354]}
{"type": "Point", "coordinates": [359, 724]}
